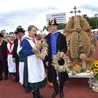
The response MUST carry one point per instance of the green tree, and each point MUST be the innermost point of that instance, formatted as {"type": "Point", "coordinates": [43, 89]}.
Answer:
{"type": "Point", "coordinates": [93, 21]}
{"type": "Point", "coordinates": [61, 26]}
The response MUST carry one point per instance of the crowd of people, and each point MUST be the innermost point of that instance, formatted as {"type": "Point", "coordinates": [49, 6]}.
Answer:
{"type": "Point", "coordinates": [18, 58]}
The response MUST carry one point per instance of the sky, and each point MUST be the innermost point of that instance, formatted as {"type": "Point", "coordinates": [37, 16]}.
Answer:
{"type": "Point", "coordinates": [27, 12]}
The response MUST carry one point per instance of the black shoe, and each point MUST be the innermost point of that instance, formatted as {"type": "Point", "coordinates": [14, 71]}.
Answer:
{"type": "Point", "coordinates": [55, 94]}
{"type": "Point", "coordinates": [34, 94]}
{"type": "Point", "coordinates": [0, 78]}
{"type": "Point", "coordinates": [28, 90]}
{"type": "Point", "coordinates": [38, 94]}
{"type": "Point", "coordinates": [61, 94]}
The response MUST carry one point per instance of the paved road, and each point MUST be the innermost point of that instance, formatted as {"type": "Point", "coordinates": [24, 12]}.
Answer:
{"type": "Point", "coordinates": [76, 88]}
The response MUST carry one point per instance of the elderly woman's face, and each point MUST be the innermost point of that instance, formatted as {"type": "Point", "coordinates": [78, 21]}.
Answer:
{"type": "Point", "coordinates": [12, 37]}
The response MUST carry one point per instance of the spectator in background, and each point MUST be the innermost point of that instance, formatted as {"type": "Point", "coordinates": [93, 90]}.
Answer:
{"type": "Point", "coordinates": [3, 57]}
{"type": "Point", "coordinates": [3, 32]}
{"type": "Point", "coordinates": [11, 64]}
{"type": "Point", "coordinates": [97, 35]}
{"type": "Point", "coordinates": [17, 43]}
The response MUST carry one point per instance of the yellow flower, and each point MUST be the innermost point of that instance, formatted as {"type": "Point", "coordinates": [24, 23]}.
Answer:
{"type": "Point", "coordinates": [96, 64]}
{"type": "Point", "coordinates": [94, 68]}
{"type": "Point", "coordinates": [95, 71]}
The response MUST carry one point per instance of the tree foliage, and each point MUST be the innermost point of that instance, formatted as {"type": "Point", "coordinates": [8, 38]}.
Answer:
{"type": "Point", "coordinates": [93, 21]}
{"type": "Point", "coordinates": [61, 26]}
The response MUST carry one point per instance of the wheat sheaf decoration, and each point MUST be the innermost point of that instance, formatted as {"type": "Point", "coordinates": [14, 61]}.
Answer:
{"type": "Point", "coordinates": [41, 49]}
{"type": "Point", "coordinates": [60, 62]}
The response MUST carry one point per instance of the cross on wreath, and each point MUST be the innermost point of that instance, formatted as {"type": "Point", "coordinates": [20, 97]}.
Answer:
{"type": "Point", "coordinates": [75, 10]}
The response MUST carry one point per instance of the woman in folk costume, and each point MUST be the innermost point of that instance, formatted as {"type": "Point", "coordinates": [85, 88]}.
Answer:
{"type": "Point", "coordinates": [22, 59]}
{"type": "Point", "coordinates": [17, 43]}
{"type": "Point", "coordinates": [36, 71]}
{"type": "Point", "coordinates": [56, 42]}
{"type": "Point", "coordinates": [11, 64]}
{"type": "Point", "coordinates": [23, 75]}
{"type": "Point", "coordinates": [3, 57]}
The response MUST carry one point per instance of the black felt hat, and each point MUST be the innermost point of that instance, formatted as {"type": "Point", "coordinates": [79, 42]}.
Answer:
{"type": "Point", "coordinates": [19, 29]}
{"type": "Point", "coordinates": [52, 22]}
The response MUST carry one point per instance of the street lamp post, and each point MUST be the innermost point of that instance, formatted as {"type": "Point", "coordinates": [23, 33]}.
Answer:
{"type": "Point", "coordinates": [96, 19]}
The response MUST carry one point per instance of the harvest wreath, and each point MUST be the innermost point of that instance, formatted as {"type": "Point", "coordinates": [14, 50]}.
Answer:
{"type": "Point", "coordinates": [59, 62]}
{"type": "Point", "coordinates": [40, 49]}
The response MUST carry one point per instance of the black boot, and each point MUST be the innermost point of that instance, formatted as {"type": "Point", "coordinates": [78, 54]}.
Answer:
{"type": "Point", "coordinates": [39, 95]}
{"type": "Point", "coordinates": [34, 94]}
{"type": "Point", "coordinates": [0, 78]}
{"type": "Point", "coordinates": [27, 90]}
{"type": "Point", "coordinates": [61, 89]}
{"type": "Point", "coordinates": [55, 90]}
{"type": "Point", "coordinates": [61, 94]}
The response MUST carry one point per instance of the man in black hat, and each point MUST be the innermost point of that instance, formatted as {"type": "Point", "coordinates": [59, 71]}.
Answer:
{"type": "Point", "coordinates": [56, 42]}
{"type": "Point", "coordinates": [19, 33]}
{"type": "Point", "coordinates": [3, 57]}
